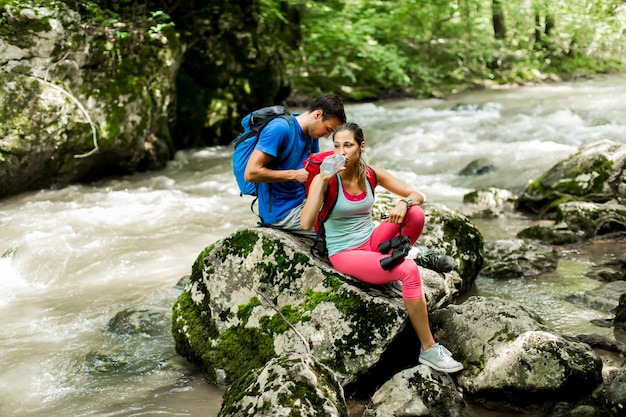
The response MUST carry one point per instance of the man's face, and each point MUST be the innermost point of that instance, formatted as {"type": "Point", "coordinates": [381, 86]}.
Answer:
{"type": "Point", "coordinates": [324, 128]}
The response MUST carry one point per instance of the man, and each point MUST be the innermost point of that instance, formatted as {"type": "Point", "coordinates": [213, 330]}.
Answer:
{"type": "Point", "coordinates": [277, 162]}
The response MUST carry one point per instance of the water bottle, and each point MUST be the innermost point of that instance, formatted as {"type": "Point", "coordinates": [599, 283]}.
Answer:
{"type": "Point", "coordinates": [332, 164]}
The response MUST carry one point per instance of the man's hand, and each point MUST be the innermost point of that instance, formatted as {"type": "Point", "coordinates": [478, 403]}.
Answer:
{"type": "Point", "coordinates": [301, 175]}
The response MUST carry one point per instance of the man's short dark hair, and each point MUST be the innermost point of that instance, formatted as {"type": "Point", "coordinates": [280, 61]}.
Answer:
{"type": "Point", "coordinates": [331, 105]}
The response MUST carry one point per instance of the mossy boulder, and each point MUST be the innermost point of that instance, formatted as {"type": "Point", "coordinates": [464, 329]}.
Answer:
{"type": "Point", "coordinates": [288, 385]}
{"type": "Point", "coordinates": [417, 391]}
{"type": "Point", "coordinates": [595, 174]}
{"type": "Point", "coordinates": [81, 97]}
{"type": "Point", "coordinates": [510, 355]}
{"type": "Point", "coordinates": [517, 258]}
{"type": "Point", "coordinates": [226, 321]}
{"type": "Point", "coordinates": [451, 233]}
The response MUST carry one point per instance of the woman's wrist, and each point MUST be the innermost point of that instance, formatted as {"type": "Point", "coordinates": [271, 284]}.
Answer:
{"type": "Point", "coordinates": [415, 198]}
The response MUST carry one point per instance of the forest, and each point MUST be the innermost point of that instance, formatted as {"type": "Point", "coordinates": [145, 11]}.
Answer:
{"type": "Point", "coordinates": [374, 48]}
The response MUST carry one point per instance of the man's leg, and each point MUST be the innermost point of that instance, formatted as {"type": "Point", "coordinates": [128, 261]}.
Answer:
{"type": "Point", "coordinates": [291, 223]}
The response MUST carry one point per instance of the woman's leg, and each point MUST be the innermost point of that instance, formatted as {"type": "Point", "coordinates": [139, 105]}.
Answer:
{"type": "Point", "coordinates": [418, 314]}
{"type": "Point", "coordinates": [364, 264]}
{"type": "Point", "coordinates": [412, 226]}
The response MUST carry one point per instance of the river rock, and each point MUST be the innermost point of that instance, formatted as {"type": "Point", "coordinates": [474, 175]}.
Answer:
{"type": "Point", "coordinates": [516, 258]}
{"type": "Point", "coordinates": [596, 173]}
{"type": "Point", "coordinates": [620, 313]}
{"type": "Point", "coordinates": [137, 321]}
{"type": "Point", "coordinates": [80, 98]}
{"type": "Point", "coordinates": [418, 391]}
{"type": "Point", "coordinates": [604, 298]}
{"type": "Point", "coordinates": [488, 203]}
{"type": "Point", "coordinates": [551, 233]}
{"type": "Point", "coordinates": [478, 167]}
{"type": "Point", "coordinates": [288, 385]}
{"type": "Point", "coordinates": [225, 319]}
{"type": "Point", "coordinates": [511, 356]}
{"type": "Point", "coordinates": [615, 393]}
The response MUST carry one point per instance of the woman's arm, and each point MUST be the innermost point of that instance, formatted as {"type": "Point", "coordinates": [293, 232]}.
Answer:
{"type": "Point", "coordinates": [314, 201]}
{"type": "Point", "coordinates": [410, 196]}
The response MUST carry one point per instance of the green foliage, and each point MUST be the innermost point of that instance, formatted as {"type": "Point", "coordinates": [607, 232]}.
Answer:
{"type": "Point", "coordinates": [365, 48]}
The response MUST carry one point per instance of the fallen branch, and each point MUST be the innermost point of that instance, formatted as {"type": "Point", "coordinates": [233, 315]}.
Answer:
{"type": "Point", "coordinates": [306, 344]}
{"type": "Point", "coordinates": [84, 111]}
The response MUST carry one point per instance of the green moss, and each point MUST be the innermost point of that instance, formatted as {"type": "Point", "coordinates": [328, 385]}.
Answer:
{"type": "Point", "coordinates": [246, 385]}
{"type": "Point", "coordinates": [196, 269]}
{"type": "Point", "coordinates": [277, 325]}
{"type": "Point", "coordinates": [245, 311]}
{"type": "Point", "coordinates": [24, 99]}
{"type": "Point", "coordinates": [282, 268]}
{"type": "Point", "coordinates": [298, 396]}
{"type": "Point", "coordinates": [370, 320]}
{"type": "Point", "coordinates": [599, 169]}
{"type": "Point", "coordinates": [239, 244]}
{"type": "Point", "coordinates": [193, 329]}
{"type": "Point", "coordinates": [240, 350]}
{"type": "Point", "coordinates": [503, 336]}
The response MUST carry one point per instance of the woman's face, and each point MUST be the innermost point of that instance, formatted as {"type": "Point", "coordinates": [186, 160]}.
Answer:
{"type": "Point", "coordinates": [345, 144]}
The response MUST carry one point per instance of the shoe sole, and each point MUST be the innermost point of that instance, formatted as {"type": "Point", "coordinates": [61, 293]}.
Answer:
{"type": "Point", "coordinates": [448, 371]}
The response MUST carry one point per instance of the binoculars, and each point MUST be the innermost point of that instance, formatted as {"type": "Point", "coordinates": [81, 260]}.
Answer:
{"type": "Point", "coordinates": [400, 245]}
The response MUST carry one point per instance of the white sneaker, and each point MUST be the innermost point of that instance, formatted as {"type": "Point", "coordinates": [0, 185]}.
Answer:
{"type": "Point", "coordinates": [413, 252]}
{"type": "Point", "coordinates": [439, 358]}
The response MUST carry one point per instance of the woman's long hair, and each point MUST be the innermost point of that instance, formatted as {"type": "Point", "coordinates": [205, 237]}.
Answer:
{"type": "Point", "coordinates": [357, 134]}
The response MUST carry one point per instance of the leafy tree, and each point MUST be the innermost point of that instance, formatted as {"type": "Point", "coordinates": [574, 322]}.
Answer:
{"type": "Point", "coordinates": [370, 48]}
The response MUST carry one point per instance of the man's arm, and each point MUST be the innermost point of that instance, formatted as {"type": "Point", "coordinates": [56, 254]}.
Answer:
{"type": "Point", "coordinates": [257, 170]}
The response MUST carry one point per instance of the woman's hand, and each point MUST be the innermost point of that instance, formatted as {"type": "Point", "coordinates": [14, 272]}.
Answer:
{"type": "Point", "coordinates": [398, 212]}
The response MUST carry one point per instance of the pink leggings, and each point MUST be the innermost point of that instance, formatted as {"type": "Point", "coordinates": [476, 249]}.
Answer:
{"type": "Point", "coordinates": [363, 263]}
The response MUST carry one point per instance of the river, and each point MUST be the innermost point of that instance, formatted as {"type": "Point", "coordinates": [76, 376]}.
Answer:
{"type": "Point", "coordinates": [70, 259]}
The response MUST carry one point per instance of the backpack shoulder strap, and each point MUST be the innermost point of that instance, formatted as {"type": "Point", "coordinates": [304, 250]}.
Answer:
{"type": "Point", "coordinates": [371, 177]}
{"type": "Point", "coordinates": [330, 199]}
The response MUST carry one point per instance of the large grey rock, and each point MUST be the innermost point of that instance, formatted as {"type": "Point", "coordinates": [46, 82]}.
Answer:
{"type": "Point", "coordinates": [79, 98]}
{"type": "Point", "coordinates": [488, 203]}
{"type": "Point", "coordinates": [604, 298]}
{"type": "Point", "coordinates": [289, 385]}
{"type": "Point", "coordinates": [516, 258]}
{"type": "Point", "coordinates": [510, 355]}
{"type": "Point", "coordinates": [223, 321]}
{"type": "Point", "coordinates": [418, 391]}
{"type": "Point", "coordinates": [596, 173]}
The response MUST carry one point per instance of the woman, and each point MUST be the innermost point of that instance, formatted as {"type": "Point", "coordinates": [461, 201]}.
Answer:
{"type": "Point", "coordinates": [352, 240]}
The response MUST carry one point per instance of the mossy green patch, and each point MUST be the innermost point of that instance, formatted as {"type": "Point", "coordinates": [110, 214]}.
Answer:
{"type": "Point", "coordinates": [239, 244]}
{"type": "Point", "coordinates": [598, 170]}
{"type": "Point", "coordinates": [192, 329]}
{"type": "Point", "coordinates": [370, 321]}
{"type": "Point", "coordinates": [240, 349]}
{"type": "Point", "coordinates": [282, 268]}
{"type": "Point", "coordinates": [245, 311]}
{"type": "Point", "coordinates": [196, 269]}
{"type": "Point", "coordinates": [246, 385]}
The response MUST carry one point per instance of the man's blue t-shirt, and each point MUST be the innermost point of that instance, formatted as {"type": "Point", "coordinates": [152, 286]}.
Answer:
{"type": "Point", "coordinates": [275, 140]}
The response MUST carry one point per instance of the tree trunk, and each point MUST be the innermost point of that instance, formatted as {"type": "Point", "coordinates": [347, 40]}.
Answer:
{"type": "Point", "coordinates": [499, 28]}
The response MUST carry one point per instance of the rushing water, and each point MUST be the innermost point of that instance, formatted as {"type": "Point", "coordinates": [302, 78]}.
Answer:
{"type": "Point", "coordinates": [71, 259]}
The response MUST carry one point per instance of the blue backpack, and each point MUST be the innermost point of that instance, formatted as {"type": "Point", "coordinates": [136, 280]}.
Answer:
{"type": "Point", "coordinates": [245, 143]}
